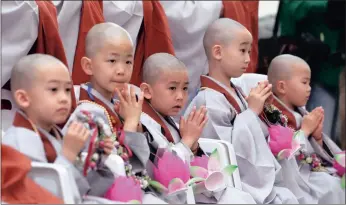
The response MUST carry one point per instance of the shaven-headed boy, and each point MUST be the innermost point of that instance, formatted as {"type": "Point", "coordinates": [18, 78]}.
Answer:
{"type": "Point", "coordinates": [234, 117]}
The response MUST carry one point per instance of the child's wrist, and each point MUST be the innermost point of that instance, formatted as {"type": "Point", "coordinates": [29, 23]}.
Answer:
{"type": "Point", "coordinates": [131, 125]}
{"type": "Point", "coordinates": [69, 155]}
{"type": "Point", "coordinates": [187, 142]}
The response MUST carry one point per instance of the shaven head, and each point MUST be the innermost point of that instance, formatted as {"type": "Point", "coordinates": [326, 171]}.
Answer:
{"type": "Point", "coordinates": [101, 33]}
{"type": "Point", "coordinates": [159, 63]}
{"type": "Point", "coordinates": [282, 68]}
{"type": "Point", "coordinates": [220, 32]}
{"type": "Point", "coordinates": [290, 77]}
{"type": "Point", "coordinates": [24, 72]}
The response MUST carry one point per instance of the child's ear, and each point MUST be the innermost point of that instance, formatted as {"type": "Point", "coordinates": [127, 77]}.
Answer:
{"type": "Point", "coordinates": [22, 98]}
{"type": "Point", "coordinates": [147, 90]}
{"type": "Point", "coordinates": [281, 87]}
{"type": "Point", "coordinates": [216, 52]}
{"type": "Point", "coordinates": [86, 65]}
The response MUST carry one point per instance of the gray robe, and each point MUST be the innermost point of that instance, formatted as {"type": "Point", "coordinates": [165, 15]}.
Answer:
{"type": "Point", "coordinates": [312, 187]}
{"type": "Point", "coordinates": [230, 195]}
{"type": "Point", "coordinates": [30, 144]}
{"type": "Point", "coordinates": [260, 173]}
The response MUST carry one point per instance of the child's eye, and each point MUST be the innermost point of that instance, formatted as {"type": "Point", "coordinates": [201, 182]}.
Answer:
{"type": "Point", "coordinates": [54, 89]}
{"type": "Point", "coordinates": [112, 61]}
{"type": "Point", "coordinates": [68, 90]}
{"type": "Point", "coordinates": [242, 50]}
{"type": "Point", "coordinates": [129, 62]}
{"type": "Point", "coordinates": [249, 52]}
{"type": "Point", "coordinates": [185, 88]}
{"type": "Point", "coordinates": [172, 88]}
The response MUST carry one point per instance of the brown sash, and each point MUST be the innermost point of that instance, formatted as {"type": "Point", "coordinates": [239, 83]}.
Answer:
{"type": "Point", "coordinates": [151, 112]}
{"type": "Point", "coordinates": [16, 186]}
{"type": "Point", "coordinates": [91, 14]}
{"type": "Point", "coordinates": [208, 83]}
{"type": "Point", "coordinates": [21, 121]}
{"type": "Point", "coordinates": [154, 28]}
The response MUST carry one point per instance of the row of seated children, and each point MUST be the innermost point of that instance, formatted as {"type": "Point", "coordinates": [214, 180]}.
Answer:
{"type": "Point", "coordinates": [41, 86]}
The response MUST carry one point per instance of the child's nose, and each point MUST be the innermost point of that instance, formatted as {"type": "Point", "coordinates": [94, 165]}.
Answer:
{"type": "Point", "coordinates": [120, 70]}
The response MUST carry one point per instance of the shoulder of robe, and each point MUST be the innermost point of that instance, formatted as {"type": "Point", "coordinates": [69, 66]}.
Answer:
{"type": "Point", "coordinates": [149, 122]}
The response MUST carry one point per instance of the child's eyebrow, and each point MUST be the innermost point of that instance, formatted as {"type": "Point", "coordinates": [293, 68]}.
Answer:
{"type": "Point", "coordinates": [245, 43]}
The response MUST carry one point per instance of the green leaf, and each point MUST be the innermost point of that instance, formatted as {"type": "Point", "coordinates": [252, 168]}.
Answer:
{"type": "Point", "coordinates": [229, 169]}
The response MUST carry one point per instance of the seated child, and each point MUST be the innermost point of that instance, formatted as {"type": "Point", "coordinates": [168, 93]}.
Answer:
{"type": "Point", "coordinates": [290, 77]}
{"type": "Point", "coordinates": [109, 63]}
{"type": "Point", "coordinates": [165, 88]}
{"type": "Point", "coordinates": [41, 87]}
{"type": "Point", "coordinates": [233, 117]}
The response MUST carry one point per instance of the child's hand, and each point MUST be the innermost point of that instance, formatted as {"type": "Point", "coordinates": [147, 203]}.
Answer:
{"type": "Point", "coordinates": [192, 127]}
{"type": "Point", "coordinates": [317, 134]}
{"type": "Point", "coordinates": [311, 121]}
{"type": "Point", "coordinates": [258, 96]}
{"type": "Point", "coordinates": [129, 108]}
{"type": "Point", "coordinates": [74, 140]}
{"type": "Point", "coordinates": [108, 145]}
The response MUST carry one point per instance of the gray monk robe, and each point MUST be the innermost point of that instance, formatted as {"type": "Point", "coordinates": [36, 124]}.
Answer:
{"type": "Point", "coordinates": [322, 186]}
{"type": "Point", "coordinates": [41, 146]}
{"type": "Point", "coordinates": [231, 120]}
{"type": "Point", "coordinates": [163, 131]}
{"type": "Point", "coordinates": [95, 103]}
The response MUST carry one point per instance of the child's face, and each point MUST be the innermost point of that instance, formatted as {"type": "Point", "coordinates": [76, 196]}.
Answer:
{"type": "Point", "coordinates": [236, 55]}
{"type": "Point", "coordinates": [169, 94]}
{"type": "Point", "coordinates": [49, 98]}
{"type": "Point", "coordinates": [298, 86]}
{"type": "Point", "coordinates": [112, 66]}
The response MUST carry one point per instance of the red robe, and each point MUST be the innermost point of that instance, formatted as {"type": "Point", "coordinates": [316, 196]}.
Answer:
{"type": "Point", "coordinates": [91, 14]}
{"type": "Point", "coordinates": [246, 13]}
{"type": "Point", "coordinates": [16, 186]}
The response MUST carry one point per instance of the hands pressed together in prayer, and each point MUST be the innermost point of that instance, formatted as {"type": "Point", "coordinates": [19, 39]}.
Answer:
{"type": "Point", "coordinates": [312, 124]}
{"type": "Point", "coordinates": [260, 95]}
{"type": "Point", "coordinates": [129, 108]}
{"type": "Point", "coordinates": [192, 127]}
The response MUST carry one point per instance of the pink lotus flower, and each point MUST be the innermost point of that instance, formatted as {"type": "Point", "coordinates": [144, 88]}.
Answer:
{"type": "Point", "coordinates": [339, 163]}
{"type": "Point", "coordinates": [124, 189]}
{"type": "Point", "coordinates": [169, 167]}
{"type": "Point", "coordinates": [200, 161]}
{"type": "Point", "coordinates": [280, 138]}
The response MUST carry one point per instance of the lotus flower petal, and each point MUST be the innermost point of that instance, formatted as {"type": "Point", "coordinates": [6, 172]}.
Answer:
{"type": "Point", "coordinates": [170, 166]}
{"type": "Point", "coordinates": [158, 186]}
{"type": "Point", "coordinates": [229, 169]}
{"type": "Point", "coordinates": [194, 181]}
{"type": "Point", "coordinates": [124, 189]}
{"type": "Point", "coordinates": [215, 182]}
{"type": "Point", "coordinates": [339, 163]}
{"type": "Point", "coordinates": [284, 154]}
{"type": "Point", "coordinates": [198, 172]}
{"type": "Point", "coordinates": [343, 182]}
{"type": "Point", "coordinates": [214, 161]}
{"type": "Point", "coordinates": [340, 158]}
{"type": "Point", "coordinates": [200, 161]}
{"type": "Point", "coordinates": [280, 138]}
{"type": "Point", "coordinates": [175, 185]}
